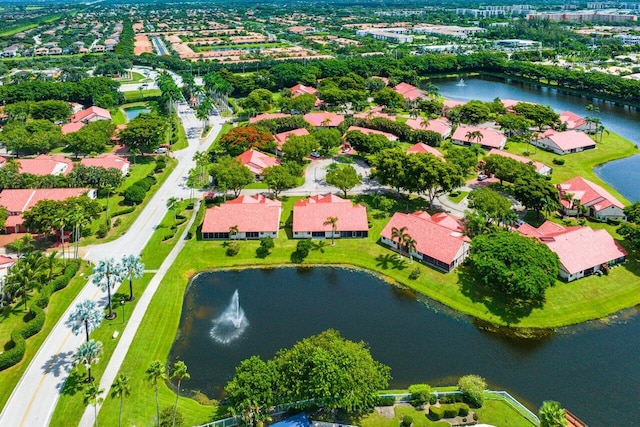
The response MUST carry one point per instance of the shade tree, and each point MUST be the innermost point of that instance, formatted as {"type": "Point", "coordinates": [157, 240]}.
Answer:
{"type": "Point", "coordinates": [230, 174]}
{"type": "Point", "coordinates": [343, 177]}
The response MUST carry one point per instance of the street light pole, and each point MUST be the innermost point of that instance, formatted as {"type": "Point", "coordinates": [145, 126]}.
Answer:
{"type": "Point", "coordinates": [122, 304]}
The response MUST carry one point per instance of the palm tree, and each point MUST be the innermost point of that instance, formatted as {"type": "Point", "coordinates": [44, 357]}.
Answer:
{"type": "Point", "coordinates": [133, 269]}
{"type": "Point", "coordinates": [179, 373]}
{"type": "Point", "coordinates": [106, 275]}
{"type": "Point", "coordinates": [172, 203]}
{"type": "Point", "coordinates": [424, 123]}
{"type": "Point", "coordinates": [92, 397]}
{"type": "Point", "coordinates": [154, 374]}
{"type": "Point", "coordinates": [87, 354]}
{"type": "Point", "coordinates": [50, 260]}
{"type": "Point", "coordinates": [26, 275]}
{"type": "Point", "coordinates": [109, 189]}
{"type": "Point", "coordinates": [61, 222]}
{"type": "Point", "coordinates": [552, 414]}
{"type": "Point", "coordinates": [22, 245]}
{"type": "Point", "coordinates": [79, 218]}
{"type": "Point", "coordinates": [119, 390]}
{"type": "Point", "coordinates": [333, 222]}
{"type": "Point", "coordinates": [87, 315]}
{"type": "Point", "coordinates": [233, 231]}
{"type": "Point", "coordinates": [410, 244]}
{"type": "Point", "coordinates": [399, 234]}
{"type": "Point", "coordinates": [475, 135]}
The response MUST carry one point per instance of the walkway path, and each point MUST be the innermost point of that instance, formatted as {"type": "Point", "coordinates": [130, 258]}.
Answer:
{"type": "Point", "coordinates": [36, 395]}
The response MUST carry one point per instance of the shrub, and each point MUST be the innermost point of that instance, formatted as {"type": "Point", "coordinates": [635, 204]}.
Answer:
{"type": "Point", "coordinates": [102, 231]}
{"type": "Point", "coordinates": [557, 161]}
{"type": "Point", "coordinates": [433, 399]}
{"type": "Point", "coordinates": [450, 410]}
{"type": "Point", "coordinates": [233, 248]}
{"type": "Point", "coordinates": [14, 354]}
{"type": "Point", "coordinates": [463, 409]}
{"type": "Point", "coordinates": [302, 250]}
{"type": "Point", "coordinates": [386, 401]}
{"type": "Point", "coordinates": [117, 222]}
{"type": "Point", "coordinates": [436, 413]}
{"type": "Point", "coordinates": [419, 393]}
{"type": "Point", "coordinates": [135, 194]}
{"type": "Point", "coordinates": [166, 418]}
{"type": "Point", "coordinates": [407, 420]}
{"type": "Point", "coordinates": [472, 388]}
{"type": "Point", "coordinates": [123, 211]}
{"type": "Point", "coordinates": [415, 274]}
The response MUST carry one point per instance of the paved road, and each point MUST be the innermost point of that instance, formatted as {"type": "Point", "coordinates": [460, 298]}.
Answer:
{"type": "Point", "coordinates": [34, 398]}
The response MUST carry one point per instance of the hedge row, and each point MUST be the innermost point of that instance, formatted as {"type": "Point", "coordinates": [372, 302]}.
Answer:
{"type": "Point", "coordinates": [450, 410]}
{"type": "Point", "coordinates": [34, 319]}
{"type": "Point", "coordinates": [137, 191]}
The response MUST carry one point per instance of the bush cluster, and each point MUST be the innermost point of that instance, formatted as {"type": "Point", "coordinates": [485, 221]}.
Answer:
{"type": "Point", "coordinates": [34, 319]}
{"type": "Point", "coordinates": [137, 191]}
{"type": "Point", "coordinates": [448, 410]}
{"type": "Point", "coordinates": [386, 401]}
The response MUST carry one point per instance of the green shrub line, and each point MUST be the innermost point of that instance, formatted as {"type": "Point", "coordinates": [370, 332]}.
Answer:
{"type": "Point", "coordinates": [34, 318]}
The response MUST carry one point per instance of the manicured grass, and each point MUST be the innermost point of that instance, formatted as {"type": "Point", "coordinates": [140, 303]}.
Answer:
{"type": "Point", "coordinates": [165, 236]}
{"type": "Point", "coordinates": [182, 141]}
{"type": "Point", "coordinates": [57, 305]}
{"type": "Point", "coordinates": [117, 116]}
{"type": "Point", "coordinates": [459, 197]}
{"type": "Point", "coordinates": [419, 418]}
{"type": "Point", "coordinates": [141, 94]}
{"type": "Point", "coordinates": [16, 30]}
{"type": "Point", "coordinates": [498, 412]}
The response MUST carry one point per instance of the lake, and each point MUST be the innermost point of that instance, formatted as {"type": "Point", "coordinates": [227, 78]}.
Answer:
{"type": "Point", "coordinates": [593, 370]}
{"type": "Point", "coordinates": [134, 112]}
{"type": "Point", "coordinates": [623, 174]}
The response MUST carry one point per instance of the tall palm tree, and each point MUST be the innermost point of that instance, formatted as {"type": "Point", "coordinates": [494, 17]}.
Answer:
{"type": "Point", "coordinates": [61, 222]}
{"type": "Point", "coordinates": [400, 235]}
{"type": "Point", "coordinates": [79, 219]}
{"type": "Point", "coordinates": [172, 203]}
{"type": "Point", "coordinates": [22, 245]}
{"type": "Point", "coordinates": [86, 315]}
{"type": "Point", "coordinates": [233, 231]}
{"type": "Point", "coordinates": [133, 269]}
{"type": "Point", "coordinates": [109, 189]}
{"type": "Point", "coordinates": [92, 397]}
{"type": "Point", "coordinates": [26, 275]}
{"type": "Point", "coordinates": [88, 354]}
{"type": "Point", "coordinates": [106, 275]}
{"type": "Point", "coordinates": [153, 375]}
{"type": "Point", "coordinates": [552, 414]}
{"type": "Point", "coordinates": [179, 373]}
{"type": "Point", "coordinates": [475, 135]}
{"type": "Point", "coordinates": [333, 222]}
{"type": "Point", "coordinates": [410, 244]}
{"type": "Point", "coordinates": [50, 260]}
{"type": "Point", "coordinates": [119, 390]}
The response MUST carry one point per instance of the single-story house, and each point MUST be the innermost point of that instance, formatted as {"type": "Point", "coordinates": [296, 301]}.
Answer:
{"type": "Point", "coordinates": [68, 128]}
{"type": "Point", "coordinates": [5, 264]}
{"type": "Point", "coordinates": [574, 122]}
{"type": "Point", "coordinates": [268, 116]}
{"type": "Point", "coordinates": [254, 216]}
{"type": "Point", "coordinates": [491, 138]}
{"type": "Point", "coordinates": [599, 202]}
{"type": "Point", "coordinates": [582, 251]}
{"type": "Point", "coordinates": [439, 126]}
{"type": "Point", "coordinates": [311, 214]}
{"type": "Point", "coordinates": [421, 147]}
{"type": "Point", "coordinates": [374, 113]}
{"type": "Point", "coordinates": [324, 119]}
{"type": "Point", "coordinates": [46, 165]}
{"type": "Point", "coordinates": [540, 167]}
{"type": "Point", "coordinates": [570, 141]}
{"type": "Point", "coordinates": [256, 161]}
{"type": "Point", "coordinates": [282, 137]}
{"type": "Point", "coordinates": [439, 239]}
{"type": "Point", "coordinates": [107, 161]}
{"type": "Point", "coordinates": [91, 114]}
{"type": "Point", "coordinates": [409, 92]}
{"type": "Point", "coordinates": [299, 89]}
{"type": "Point", "coordinates": [448, 104]}
{"type": "Point", "coordinates": [510, 103]}
{"type": "Point", "coordinates": [367, 131]}
{"type": "Point", "coordinates": [18, 201]}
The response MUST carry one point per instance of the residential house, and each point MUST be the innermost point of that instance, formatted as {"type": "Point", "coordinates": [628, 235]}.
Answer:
{"type": "Point", "coordinates": [18, 201]}
{"type": "Point", "coordinates": [256, 161]}
{"type": "Point", "coordinates": [367, 131]}
{"type": "Point", "coordinates": [567, 142]}
{"type": "Point", "coordinates": [311, 214]}
{"type": "Point", "coordinates": [421, 147]}
{"type": "Point", "coordinates": [439, 239]}
{"type": "Point", "coordinates": [324, 119]}
{"type": "Point", "coordinates": [91, 114]}
{"type": "Point", "coordinates": [575, 122]}
{"type": "Point", "coordinates": [267, 116]}
{"type": "Point", "coordinates": [282, 137]}
{"type": "Point", "coordinates": [107, 161]}
{"type": "Point", "coordinates": [299, 89]}
{"type": "Point", "coordinates": [448, 104]}
{"type": "Point", "coordinates": [597, 201]}
{"type": "Point", "coordinates": [5, 264]}
{"type": "Point", "coordinates": [68, 128]}
{"type": "Point", "coordinates": [409, 92]}
{"type": "Point", "coordinates": [582, 251]}
{"type": "Point", "coordinates": [439, 126]}
{"type": "Point", "coordinates": [490, 138]}
{"type": "Point", "coordinates": [540, 167]}
{"type": "Point", "coordinates": [254, 217]}
{"type": "Point", "coordinates": [46, 165]}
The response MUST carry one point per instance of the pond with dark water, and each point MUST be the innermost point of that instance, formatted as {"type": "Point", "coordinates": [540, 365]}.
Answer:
{"type": "Point", "coordinates": [623, 175]}
{"type": "Point", "coordinates": [594, 369]}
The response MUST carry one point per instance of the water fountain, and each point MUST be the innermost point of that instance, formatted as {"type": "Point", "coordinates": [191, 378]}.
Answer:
{"type": "Point", "coordinates": [461, 83]}
{"type": "Point", "coordinates": [231, 323]}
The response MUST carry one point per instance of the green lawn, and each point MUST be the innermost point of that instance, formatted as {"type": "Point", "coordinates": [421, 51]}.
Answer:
{"type": "Point", "coordinates": [117, 116]}
{"type": "Point", "coordinates": [139, 95]}
{"type": "Point", "coordinates": [165, 236]}
{"type": "Point", "coordinates": [458, 197]}
{"type": "Point", "coordinates": [57, 305]}
{"type": "Point", "coordinates": [181, 141]}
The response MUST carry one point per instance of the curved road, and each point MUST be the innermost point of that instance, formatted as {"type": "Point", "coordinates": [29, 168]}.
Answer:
{"type": "Point", "coordinates": [35, 397]}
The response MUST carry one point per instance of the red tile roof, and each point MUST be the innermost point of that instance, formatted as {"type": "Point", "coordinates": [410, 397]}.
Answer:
{"type": "Point", "coordinates": [249, 213]}
{"type": "Point", "coordinates": [540, 167]}
{"type": "Point", "coordinates": [268, 116]}
{"type": "Point", "coordinates": [20, 200]}
{"type": "Point", "coordinates": [46, 165]}
{"type": "Point", "coordinates": [589, 193]}
{"type": "Point", "coordinates": [6, 262]}
{"type": "Point", "coordinates": [421, 147]}
{"type": "Point", "coordinates": [572, 120]}
{"type": "Point", "coordinates": [439, 126]}
{"type": "Point", "coordinates": [490, 137]}
{"type": "Point", "coordinates": [318, 119]}
{"type": "Point", "coordinates": [310, 214]}
{"type": "Point", "coordinates": [371, 114]}
{"type": "Point", "coordinates": [68, 128]}
{"type": "Point", "coordinates": [578, 248]}
{"type": "Point", "coordinates": [368, 131]}
{"type": "Point", "coordinates": [257, 161]}
{"type": "Point", "coordinates": [409, 92]}
{"type": "Point", "coordinates": [107, 161]}
{"type": "Point", "coordinates": [91, 113]}
{"type": "Point", "coordinates": [450, 103]}
{"type": "Point", "coordinates": [282, 137]}
{"type": "Point", "coordinates": [302, 90]}
{"type": "Point", "coordinates": [434, 238]}
{"type": "Point", "coordinates": [568, 140]}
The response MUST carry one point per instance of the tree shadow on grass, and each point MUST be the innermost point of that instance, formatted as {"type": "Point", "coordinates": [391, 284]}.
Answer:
{"type": "Point", "coordinates": [74, 383]}
{"type": "Point", "coordinates": [392, 261]}
{"type": "Point", "coordinates": [510, 309]}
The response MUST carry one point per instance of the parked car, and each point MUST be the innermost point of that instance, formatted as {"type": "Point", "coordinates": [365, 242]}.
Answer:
{"type": "Point", "coordinates": [482, 177]}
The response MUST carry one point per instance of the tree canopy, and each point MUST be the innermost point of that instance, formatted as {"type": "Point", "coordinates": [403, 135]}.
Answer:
{"type": "Point", "coordinates": [145, 132]}
{"type": "Point", "coordinates": [343, 177]}
{"type": "Point", "coordinates": [240, 139]}
{"type": "Point", "coordinates": [229, 174]}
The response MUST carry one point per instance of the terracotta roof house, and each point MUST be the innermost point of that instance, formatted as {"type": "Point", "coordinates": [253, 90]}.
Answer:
{"type": "Point", "coordinates": [541, 168]}
{"type": "Point", "coordinates": [256, 161]}
{"type": "Point", "coordinates": [68, 128]}
{"type": "Point", "coordinates": [324, 119]}
{"type": "Point", "coordinates": [491, 138]}
{"type": "Point", "coordinates": [5, 264]}
{"type": "Point", "coordinates": [439, 126]}
{"type": "Point", "coordinates": [574, 121]}
{"type": "Point", "coordinates": [510, 103]}
{"type": "Point", "coordinates": [421, 147]}
{"type": "Point", "coordinates": [268, 116]}
{"type": "Point", "coordinates": [3, 161]}
{"type": "Point", "coordinates": [598, 201]}
{"type": "Point", "coordinates": [582, 251]}
{"type": "Point", "coordinates": [282, 137]}
{"type": "Point", "coordinates": [375, 113]}
{"type": "Point", "coordinates": [107, 161]}
{"type": "Point", "coordinates": [448, 104]}
{"type": "Point", "coordinates": [91, 114]}
{"type": "Point", "coordinates": [567, 142]}
{"type": "Point", "coordinates": [255, 216]}
{"type": "Point", "coordinates": [409, 92]}
{"type": "Point", "coordinates": [18, 201]}
{"type": "Point", "coordinates": [367, 131]}
{"type": "Point", "coordinates": [309, 216]}
{"type": "Point", "coordinates": [439, 241]}
{"type": "Point", "coordinates": [46, 165]}
{"type": "Point", "coordinates": [299, 89]}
